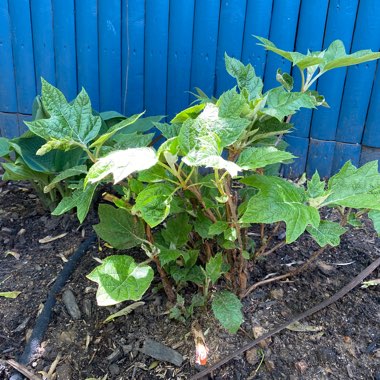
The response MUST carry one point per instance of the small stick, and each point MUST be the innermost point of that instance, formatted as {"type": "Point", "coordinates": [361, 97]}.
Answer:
{"type": "Point", "coordinates": [286, 275]}
{"type": "Point", "coordinates": [22, 369]}
{"type": "Point", "coordinates": [54, 365]}
{"type": "Point", "coordinates": [356, 281]}
{"type": "Point", "coordinates": [275, 248]}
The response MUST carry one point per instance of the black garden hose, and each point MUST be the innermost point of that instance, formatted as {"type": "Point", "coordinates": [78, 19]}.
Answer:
{"type": "Point", "coordinates": [43, 319]}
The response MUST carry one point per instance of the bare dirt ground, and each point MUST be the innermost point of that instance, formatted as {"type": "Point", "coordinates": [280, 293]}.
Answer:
{"type": "Point", "coordinates": [340, 342]}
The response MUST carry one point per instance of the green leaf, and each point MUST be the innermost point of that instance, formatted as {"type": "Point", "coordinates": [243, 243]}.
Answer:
{"type": "Point", "coordinates": [301, 60]}
{"type": "Point", "coordinates": [73, 123]}
{"type": "Point", "coordinates": [4, 147]}
{"type": "Point", "coordinates": [132, 140]}
{"type": "Point", "coordinates": [327, 233]}
{"type": "Point", "coordinates": [279, 200]}
{"type": "Point", "coordinates": [374, 215]}
{"type": "Point", "coordinates": [353, 220]}
{"type": "Point", "coordinates": [13, 294]}
{"type": "Point", "coordinates": [281, 103]}
{"type": "Point", "coordinates": [217, 228]}
{"type": "Point", "coordinates": [121, 164]}
{"type": "Point", "coordinates": [253, 158]}
{"type": "Point", "coordinates": [120, 279]}
{"type": "Point", "coordinates": [177, 230]}
{"type": "Point", "coordinates": [143, 124]}
{"type": "Point", "coordinates": [214, 267]}
{"type": "Point", "coordinates": [19, 171]}
{"type": "Point", "coordinates": [285, 80]}
{"type": "Point", "coordinates": [231, 104]}
{"type": "Point", "coordinates": [156, 173]}
{"type": "Point", "coordinates": [335, 56]}
{"type": "Point", "coordinates": [188, 113]}
{"type": "Point", "coordinates": [268, 128]}
{"type": "Point", "coordinates": [355, 188]}
{"type": "Point", "coordinates": [167, 255]}
{"type": "Point", "coordinates": [119, 228]}
{"type": "Point", "coordinates": [153, 203]}
{"type": "Point", "coordinates": [245, 76]}
{"type": "Point", "coordinates": [168, 130]}
{"type": "Point", "coordinates": [114, 129]}
{"type": "Point", "coordinates": [53, 162]}
{"type": "Point", "coordinates": [76, 170]}
{"type": "Point", "coordinates": [227, 309]}
{"type": "Point", "coordinates": [80, 199]}
{"type": "Point", "coordinates": [202, 225]}
{"type": "Point", "coordinates": [315, 187]}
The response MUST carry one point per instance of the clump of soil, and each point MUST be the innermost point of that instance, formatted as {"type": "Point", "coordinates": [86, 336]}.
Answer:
{"type": "Point", "coordinates": [340, 342]}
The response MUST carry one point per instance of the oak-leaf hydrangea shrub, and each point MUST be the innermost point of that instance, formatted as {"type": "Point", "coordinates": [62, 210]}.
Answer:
{"type": "Point", "coordinates": [190, 202]}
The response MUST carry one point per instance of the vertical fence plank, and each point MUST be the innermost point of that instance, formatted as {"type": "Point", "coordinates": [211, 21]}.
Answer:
{"type": "Point", "coordinates": [206, 24]}
{"type": "Point", "coordinates": [8, 125]}
{"type": "Point", "coordinates": [132, 34]}
{"type": "Point", "coordinates": [179, 54]}
{"type": "Point", "coordinates": [19, 12]}
{"type": "Point", "coordinates": [340, 25]}
{"type": "Point", "coordinates": [282, 33]}
{"type": "Point", "coordinates": [257, 23]}
{"type": "Point", "coordinates": [311, 26]}
{"type": "Point", "coordinates": [22, 128]}
{"type": "Point", "coordinates": [8, 99]}
{"type": "Point", "coordinates": [320, 157]}
{"type": "Point", "coordinates": [43, 43]}
{"type": "Point", "coordinates": [372, 131]}
{"type": "Point", "coordinates": [64, 47]}
{"type": "Point", "coordinates": [369, 154]}
{"type": "Point", "coordinates": [109, 19]}
{"type": "Point", "coordinates": [156, 55]}
{"type": "Point", "coordinates": [230, 40]}
{"type": "Point", "coordinates": [86, 26]}
{"type": "Point", "coordinates": [343, 153]}
{"type": "Point", "coordinates": [357, 89]}
{"type": "Point", "coordinates": [299, 147]}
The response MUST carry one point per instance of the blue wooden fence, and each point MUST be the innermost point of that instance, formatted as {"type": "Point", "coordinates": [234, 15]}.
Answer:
{"type": "Point", "coordinates": [132, 55]}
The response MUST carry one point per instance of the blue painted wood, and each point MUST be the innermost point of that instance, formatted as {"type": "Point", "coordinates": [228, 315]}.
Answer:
{"type": "Point", "coordinates": [8, 125]}
{"type": "Point", "coordinates": [257, 23]}
{"type": "Point", "coordinates": [19, 12]}
{"type": "Point", "coordinates": [343, 153]}
{"type": "Point", "coordinates": [310, 32]}
{"type": "Point", "coordinates": [132, 34]}
{"type": "Point", "coordinates": [371, 136]}
{"type": "Point", "coordinates": [179, 54]}
{"type": "Point", "coordinates": [299, 147]}
{"type": "Point", "coordinates": [64, 47]}
{"type": "Point", "coordinates": [109, 23]}
{"type": "Point", "coordinates": [357, 90]}
{"type": "Point", "coordinates": [340, 25]}
{"type": "Point", "coordinates": [282, 33]}
{"type": "Point", "coordinates": [22, 128]}
{"type": "Point", "coordinates": [8, 99]}
{"type": "Point", "coordinates": [369, 154]}
{"type": "Point", "coordinates": [230, 40]}
{"type": "Point", "coordinates": [156, 55]}
{"type": "Point", "coordinates": [86, 24]}
{"type": "Point", "coordinates": [206, 26]}
{"type": "Point", "coordinates": [43, 44]}
{"type": "Point", "coordinates": [320, 157]}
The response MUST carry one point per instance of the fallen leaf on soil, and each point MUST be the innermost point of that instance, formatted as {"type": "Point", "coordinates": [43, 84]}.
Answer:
{"type": "Point", "coordinates": [300, 327]}
{"type": "Point", "coordinates": [252, 356]}
{"type": "Point", "coordinates": [16, 255]}
{"type": "Point", "coordinates": [124, 311]}
{"type": "Point", "coordinates": [367, 284]}
{"type": "Point", "coordinates": [13, 294]}
{"type": "Point", "coordinates": [257, 332]}
{"type": "Point", "coordinates": [49, 238]}
{"type": "Point", "coordinates": [301, 366]}
{"type": "Point", "coordinates": [201, 349]}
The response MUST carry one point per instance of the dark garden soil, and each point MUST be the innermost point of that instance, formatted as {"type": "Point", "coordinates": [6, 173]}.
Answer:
{"type": "Point", "coordinates": [344, 341]}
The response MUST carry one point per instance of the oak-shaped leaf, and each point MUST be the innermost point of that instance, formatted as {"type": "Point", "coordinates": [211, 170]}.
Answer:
{"type": "Point", "coordinates": [227, 309]}
{"type": "Point", "coordinates": [120, 279]}
{"type": "Point", "coordinates": [119, 228]}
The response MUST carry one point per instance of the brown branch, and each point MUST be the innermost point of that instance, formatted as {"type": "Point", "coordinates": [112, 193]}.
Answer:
{"type": "Point", "coordinates": [275, 248]}
{"type": "Point", "coordinates": [294, 272]}
{"type": "Point", "coordinates": [164, 278]}
{"type": "Point", "coordinates": [23, 370]}
{"type": "Point", "coordinates": [341, 293]}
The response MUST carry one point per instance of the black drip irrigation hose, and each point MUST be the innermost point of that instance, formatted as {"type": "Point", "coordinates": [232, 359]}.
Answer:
{"type": "Point", "coordinates": [43, 319]}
